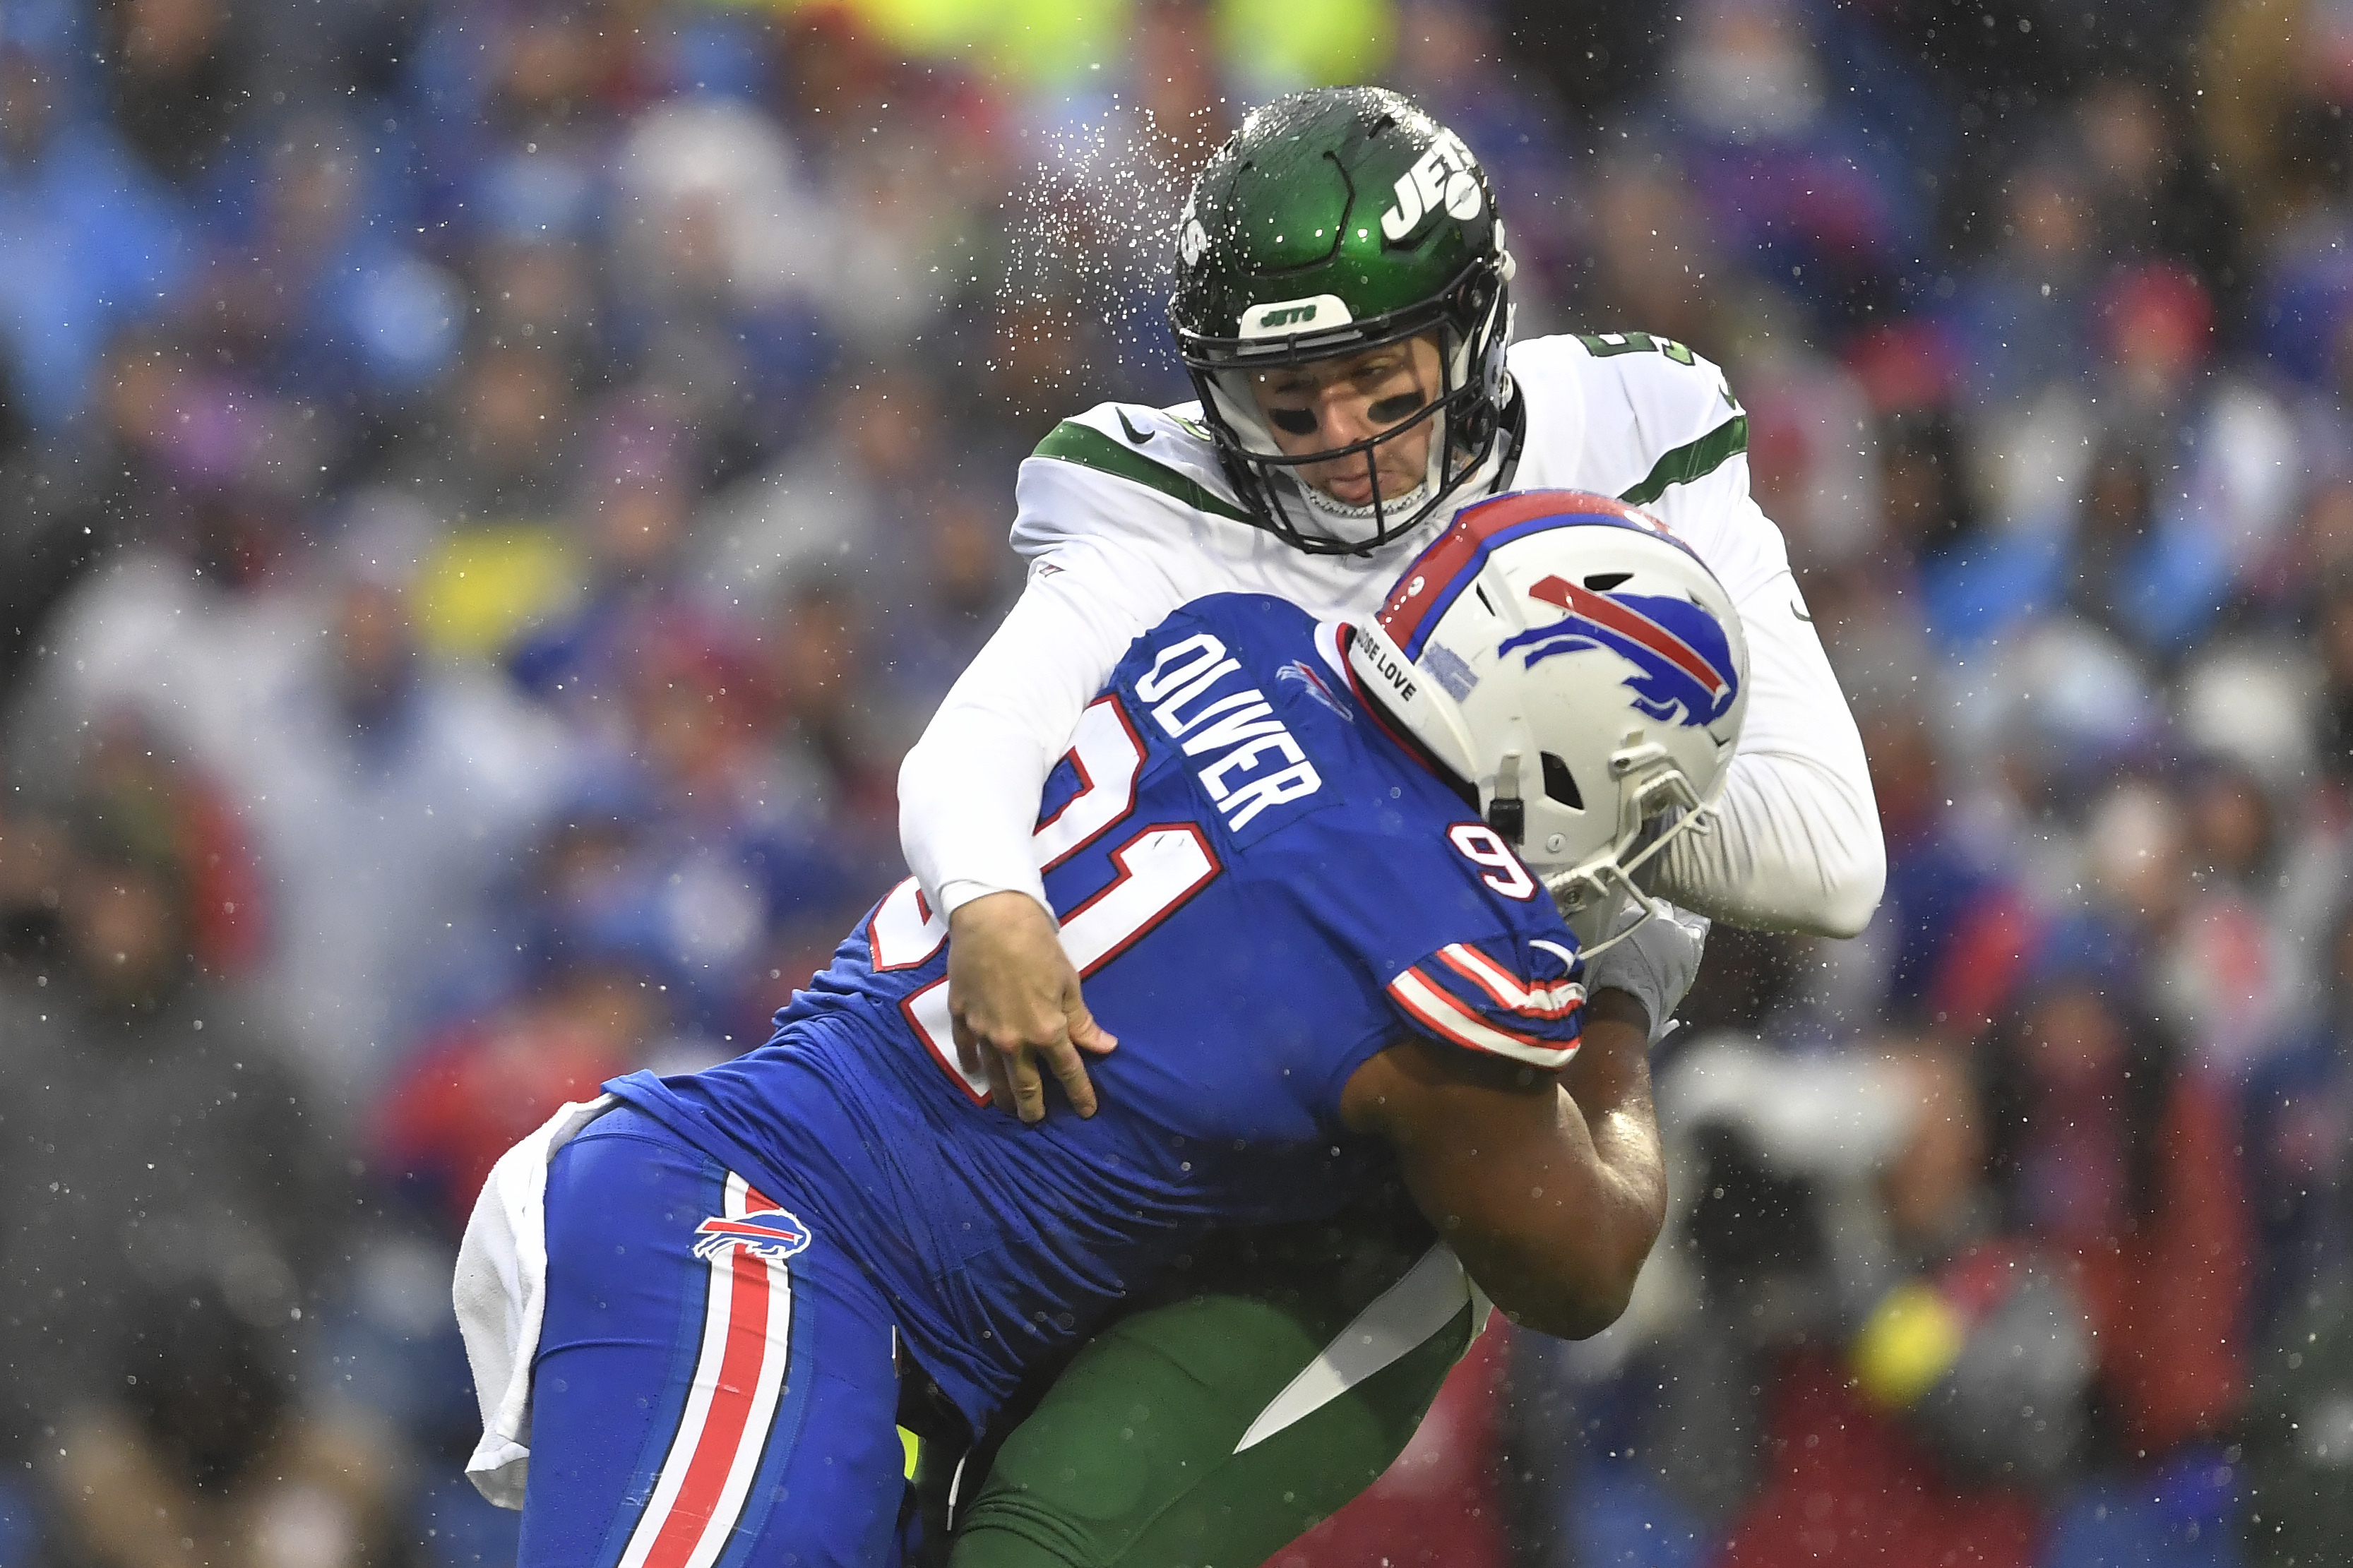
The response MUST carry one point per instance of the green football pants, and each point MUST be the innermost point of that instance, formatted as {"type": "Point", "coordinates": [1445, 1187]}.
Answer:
{"type": "Point", "coordinates": [1209, 1428]}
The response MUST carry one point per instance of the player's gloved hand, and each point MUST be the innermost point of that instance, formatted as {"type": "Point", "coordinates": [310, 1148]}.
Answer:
{"type": "Point", "coordinates": [1655, 965]}
{"type": "Point", "coordinates": [1014, 997]}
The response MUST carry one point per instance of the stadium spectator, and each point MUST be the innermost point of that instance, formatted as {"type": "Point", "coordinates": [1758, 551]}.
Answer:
{"type": "Point", "coordinates": [178, 86]}
{"type": "Point", "coordinates": [182, 1202]}
{"type": "Point", "coordinates": [92, 241]}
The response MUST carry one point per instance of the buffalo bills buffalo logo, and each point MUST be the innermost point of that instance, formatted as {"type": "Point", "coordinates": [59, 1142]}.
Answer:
{"type": "Point", "coordinates": [773, 1234]}
{"type": "Point", "coordinates": [1681, 658]}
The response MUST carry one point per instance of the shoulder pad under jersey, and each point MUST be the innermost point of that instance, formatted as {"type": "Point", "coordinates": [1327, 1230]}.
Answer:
{"type": "Point", "coordinates": [1132, 464]}
{"type": "Point", "coordinates": [1648, 414]}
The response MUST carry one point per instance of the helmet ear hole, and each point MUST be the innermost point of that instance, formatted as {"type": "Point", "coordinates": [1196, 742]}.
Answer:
{"type": "Point", "coordinates": [1560, 783]}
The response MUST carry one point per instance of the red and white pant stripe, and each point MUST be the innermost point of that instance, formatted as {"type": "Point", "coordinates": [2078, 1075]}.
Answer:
{"type": "Point", "coordinates": [739, 1376]}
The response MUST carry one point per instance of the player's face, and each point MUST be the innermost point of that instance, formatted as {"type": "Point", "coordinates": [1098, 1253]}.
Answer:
{"type": "Point", "coordinates": [1325, 403]}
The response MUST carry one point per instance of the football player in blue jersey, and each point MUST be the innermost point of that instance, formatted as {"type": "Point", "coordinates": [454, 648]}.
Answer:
{"type": "Point", "coordinates": [1310, 872]}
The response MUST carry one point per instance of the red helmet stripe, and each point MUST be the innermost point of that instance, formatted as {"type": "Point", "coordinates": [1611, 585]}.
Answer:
{"type": "Point", "coordinates": [1445, 567]}
{"type": "Point", "coordinates": [1625, 621]}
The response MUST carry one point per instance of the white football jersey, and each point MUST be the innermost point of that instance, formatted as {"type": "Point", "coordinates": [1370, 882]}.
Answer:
{"type": "Point", "coordinates": [1126, 513]}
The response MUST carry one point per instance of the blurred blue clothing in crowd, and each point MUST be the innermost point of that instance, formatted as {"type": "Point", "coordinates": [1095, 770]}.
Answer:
{"type": "Point", "coordinates": [90, 241]}
{"type": "Point", "coordinates": [689, 895]}
{"type": "Point", "coordinates": [1977, 590]}
{"type": "Point", "coordinates": [312, 241]}
{"type": "Point", "coordinates": [2164, 592]}
{"type": "Point", "coordinates": [2180, 1517]}
{"type": "Point", "coordinates": [1795, 152]}
{"type": "Point", "coordinates": [2306, 306]}
{"type": "Point", "coordinates": [2299, 1114]}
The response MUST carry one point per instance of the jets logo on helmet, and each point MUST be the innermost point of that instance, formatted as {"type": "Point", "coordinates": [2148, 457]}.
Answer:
{"type": "Point", "coordinates": [1441, 180]}
{"type": "Point", "coordinates": [1288, 318]}
{"type": "Point", "coordinates": [1683, 664]}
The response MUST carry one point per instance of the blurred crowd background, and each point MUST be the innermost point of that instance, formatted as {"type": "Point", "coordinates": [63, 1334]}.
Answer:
{"type": "Point", "coordinates": [490, 487]}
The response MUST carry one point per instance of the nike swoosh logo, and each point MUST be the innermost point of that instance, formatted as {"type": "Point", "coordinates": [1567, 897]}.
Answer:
{"type": "Point", "coordinates": [1799, 613]}
{"type": "Point", "coordinates": [1135, 434]}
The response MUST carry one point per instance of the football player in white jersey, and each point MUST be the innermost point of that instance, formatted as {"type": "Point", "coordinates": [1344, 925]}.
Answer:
{"type": "Point", "coordinates": [1343, 304]}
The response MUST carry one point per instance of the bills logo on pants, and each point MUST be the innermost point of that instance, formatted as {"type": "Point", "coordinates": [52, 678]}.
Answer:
{"type": "Point", "coordinates": [774, 1234]}
{"type": "Point", "coordinates": [739, 1374]}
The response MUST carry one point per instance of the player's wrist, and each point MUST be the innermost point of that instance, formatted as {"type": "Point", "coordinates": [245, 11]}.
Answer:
{"type": "Point", "coordinates": [1000, 907]}
{"type": "Point", "coordinates": [956, 892]}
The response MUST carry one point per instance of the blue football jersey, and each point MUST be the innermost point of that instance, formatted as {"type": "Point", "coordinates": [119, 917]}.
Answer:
{"type": "Point", "coordinates": [1262, 889]}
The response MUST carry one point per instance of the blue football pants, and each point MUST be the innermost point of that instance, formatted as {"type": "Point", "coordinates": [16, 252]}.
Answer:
{"type": "Point", "coordinates": [715, 1385]}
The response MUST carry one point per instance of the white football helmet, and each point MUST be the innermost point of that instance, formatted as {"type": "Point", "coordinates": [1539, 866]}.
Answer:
{"type": "Point", "coordinates": [1577, 665]}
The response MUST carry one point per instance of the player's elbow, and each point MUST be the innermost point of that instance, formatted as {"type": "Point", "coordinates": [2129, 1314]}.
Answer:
{"type": "Point", "coordinates": [1795, 850]}
{"type": "Point", "coordinates": [1851, 853]}
{"type": "Point", "coordinates": [1590, 1318]}
{"type": "Point", "coordinates": [1849, 873]}
{"type": "Point", "coordinates": [1575, 1306]}
{"type": "Point", "coordinates": [1852, 884]}
{"type": "Point", "coordinates": [1576, 1286]}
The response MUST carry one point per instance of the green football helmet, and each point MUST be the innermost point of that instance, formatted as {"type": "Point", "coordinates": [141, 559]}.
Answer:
{"type": "Point", "coordinates": [1335, 221]}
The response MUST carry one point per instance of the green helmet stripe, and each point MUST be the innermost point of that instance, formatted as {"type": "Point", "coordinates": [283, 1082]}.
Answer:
{"type": "Point", "coordinates": [1073, 442]}
{"type": "Point", "coordinates": [1692, 460]}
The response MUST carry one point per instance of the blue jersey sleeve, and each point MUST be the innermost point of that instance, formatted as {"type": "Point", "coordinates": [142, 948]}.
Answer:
{"type": "Point", "coordinates": [1521, 998]}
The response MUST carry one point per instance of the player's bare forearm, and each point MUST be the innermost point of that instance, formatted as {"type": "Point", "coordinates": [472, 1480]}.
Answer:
{"type": "Point", "coordinates": [1610, 1083]}
{"type": "Point", "coordinates": [1551, 1200]}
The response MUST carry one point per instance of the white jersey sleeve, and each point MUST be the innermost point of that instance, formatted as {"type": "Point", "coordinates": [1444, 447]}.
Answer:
{"type": "Point", "coordinates": [1796, 843]}
{"type": "Point", "coordinates": [968, 791]}
{"type": "Point", "coordinates": [1124, 516]}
